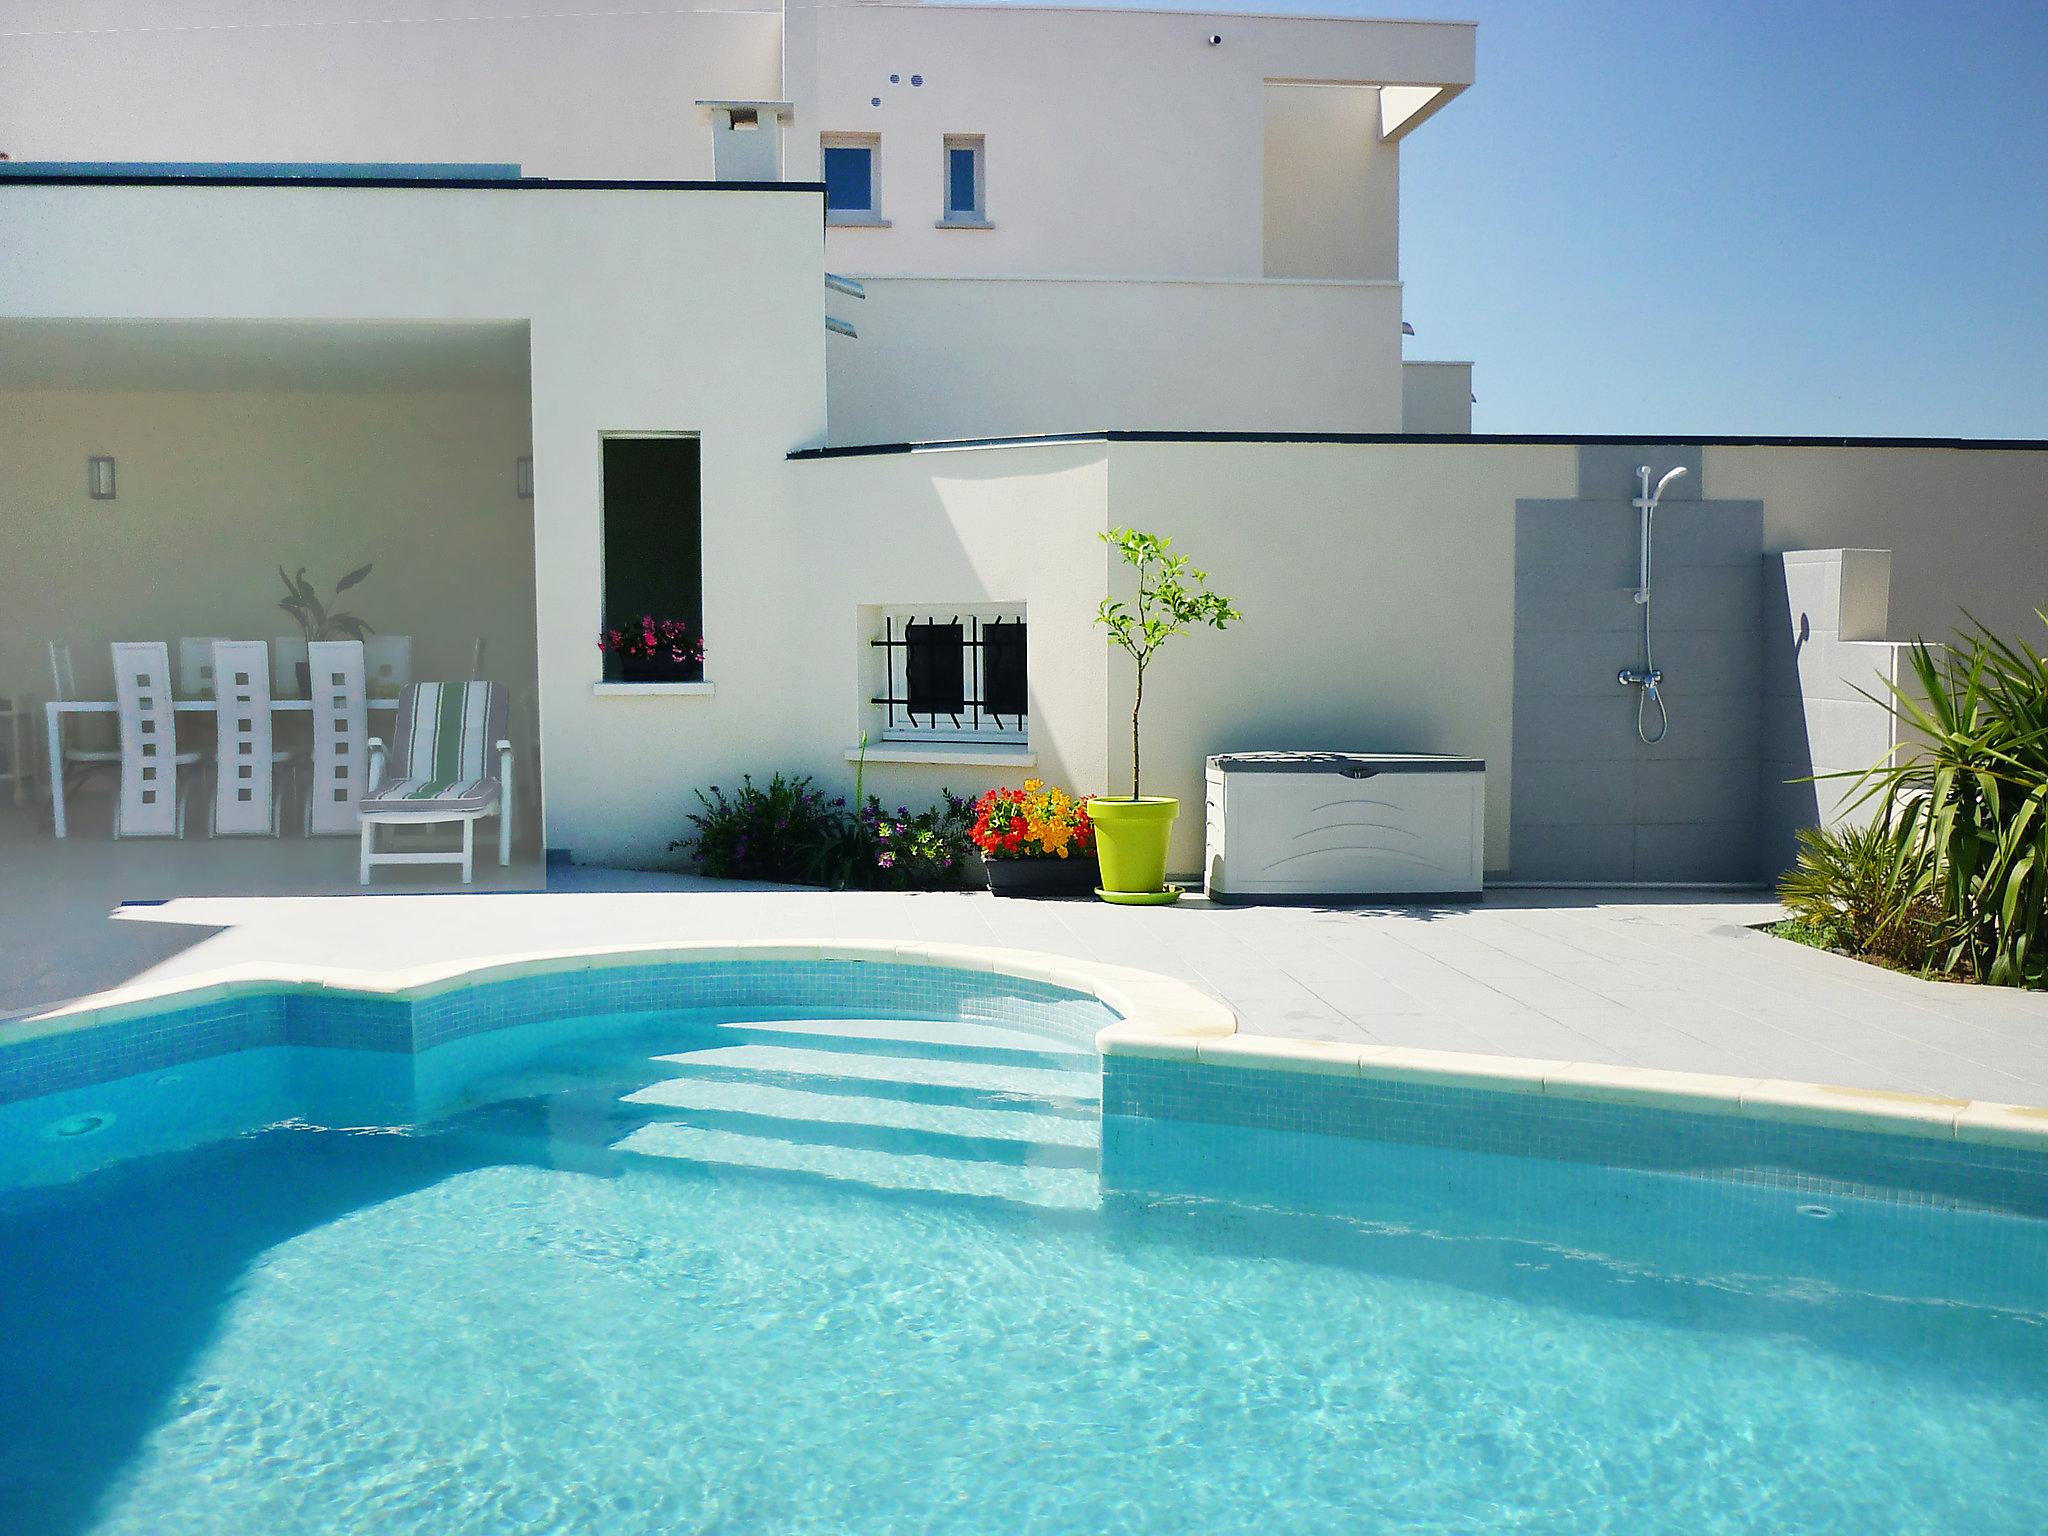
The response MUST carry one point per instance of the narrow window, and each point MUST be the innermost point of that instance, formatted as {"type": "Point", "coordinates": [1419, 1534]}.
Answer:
{"type": "Point", "coordinates": [653, 559]}
{"type": "Point", "coordinates": [966, 190]}
{"type": "Point", "coordinates": [852, 186]}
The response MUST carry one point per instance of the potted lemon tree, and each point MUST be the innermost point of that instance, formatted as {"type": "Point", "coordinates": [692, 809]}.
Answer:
{"type": "Point", "coordinates": [1173, 596]}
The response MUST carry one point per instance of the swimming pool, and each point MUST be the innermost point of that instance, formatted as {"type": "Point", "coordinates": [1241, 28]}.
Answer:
{"type": "Point", "coordinates": [836, 1252]}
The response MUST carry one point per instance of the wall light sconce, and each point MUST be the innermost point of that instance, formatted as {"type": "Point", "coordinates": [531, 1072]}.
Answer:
{"type": "Point", "coordinates": [522, 477]}
{"type": "Point", "coordinates": [99, 477]}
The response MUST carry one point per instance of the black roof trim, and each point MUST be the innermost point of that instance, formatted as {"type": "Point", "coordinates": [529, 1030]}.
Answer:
{"type": "Point", "coordinates": [441, 183]}
{"type": "Point", "coordinates": [1507, 439]}
{"type": "Point", "coordinates": [1027, 440]}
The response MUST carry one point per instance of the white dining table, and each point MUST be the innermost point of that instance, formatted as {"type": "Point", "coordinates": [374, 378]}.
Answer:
{"type": "Point", "coordinates": [55, 711]}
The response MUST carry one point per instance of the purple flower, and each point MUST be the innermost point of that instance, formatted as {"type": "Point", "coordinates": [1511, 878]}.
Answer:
{"type": "Point", "coordinates": [887, 860]}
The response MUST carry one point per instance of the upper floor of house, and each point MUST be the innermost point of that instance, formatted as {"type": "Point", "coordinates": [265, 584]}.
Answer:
{"type": "Point", "coordinates": [953, 139]}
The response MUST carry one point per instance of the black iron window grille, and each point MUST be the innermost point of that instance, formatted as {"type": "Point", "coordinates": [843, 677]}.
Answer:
{"type": "Point", "coordinates": [953, 673]}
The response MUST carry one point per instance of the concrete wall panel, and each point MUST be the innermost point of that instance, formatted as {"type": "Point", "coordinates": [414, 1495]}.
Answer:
{"type": "Point", "coordinates": [1579, 762]}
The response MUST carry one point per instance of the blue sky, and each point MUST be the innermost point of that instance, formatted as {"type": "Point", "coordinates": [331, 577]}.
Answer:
{"type": "Point", "coordinates": [1770, 216]}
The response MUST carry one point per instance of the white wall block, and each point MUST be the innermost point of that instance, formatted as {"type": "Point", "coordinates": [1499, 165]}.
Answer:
{"type": "Point", "coordinates": [1866, 583]}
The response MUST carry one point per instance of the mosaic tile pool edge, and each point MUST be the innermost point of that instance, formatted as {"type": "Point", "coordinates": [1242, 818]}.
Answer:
{"type": "Point", "coordinates": [1821, 1160]}
{"type": "Point", "coordinates": [337, 1018]}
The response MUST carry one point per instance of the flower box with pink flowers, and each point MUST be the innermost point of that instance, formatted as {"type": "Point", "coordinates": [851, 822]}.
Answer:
{"type": "Point", "coordinates": [651, 650]}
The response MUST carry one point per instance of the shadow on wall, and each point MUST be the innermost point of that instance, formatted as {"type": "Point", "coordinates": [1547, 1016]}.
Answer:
{"type": "Point", "coordinates": [1787, 798]}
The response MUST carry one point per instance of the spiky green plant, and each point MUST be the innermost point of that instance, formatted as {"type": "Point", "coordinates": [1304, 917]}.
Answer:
{"type": "Point", "coordinates": [315, 620]}
{"type": "Point", "coordinates": [1972, 796]}
{"type": "Point", "coordinates": [1860, 888]}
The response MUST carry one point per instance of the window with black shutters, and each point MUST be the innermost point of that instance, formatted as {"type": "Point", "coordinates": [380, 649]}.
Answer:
{"type": "Point", "coordinates": [957, 674]}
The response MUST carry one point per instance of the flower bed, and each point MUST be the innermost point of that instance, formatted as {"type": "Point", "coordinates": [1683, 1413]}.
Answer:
{"type": "Point", "coordinates": [791, 832]}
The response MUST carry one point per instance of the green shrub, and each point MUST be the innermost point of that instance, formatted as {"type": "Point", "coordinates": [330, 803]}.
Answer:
{"type": "Point", "coordinates": [1861, 889]}
{"type": "Point", "coordinates": [922, 851]}
{"type": "Point", "coordinates": [1814, 935]}
{"type": "Point", "coordinates": [792, 833]}
{"type": "Point", "coordinates": [784, 832]}
{"type": "Point", "coordinates": [1972, 801]}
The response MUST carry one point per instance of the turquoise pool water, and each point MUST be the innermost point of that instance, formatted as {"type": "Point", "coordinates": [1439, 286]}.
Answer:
{"type": "Point", "coordinates": [775, 1273]}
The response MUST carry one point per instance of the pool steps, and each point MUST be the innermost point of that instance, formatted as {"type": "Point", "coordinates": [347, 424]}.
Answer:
{"type": "Point", "coordinates": [1027, 1129]}
{"type": "Point", "coordinates": [1050, 1188]}
{"type": "Point", "coordinates": [908, 1107]}
{"type": "Point", "coordinates": [866, 1072]}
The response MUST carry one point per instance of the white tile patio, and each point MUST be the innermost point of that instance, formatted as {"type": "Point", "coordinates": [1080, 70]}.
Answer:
{"type": "Point", "coordinates": [1676, 981]}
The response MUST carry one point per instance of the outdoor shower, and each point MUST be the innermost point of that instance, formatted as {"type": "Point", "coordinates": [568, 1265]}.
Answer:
{"type": "Point", "coordinates": [1648, 678]}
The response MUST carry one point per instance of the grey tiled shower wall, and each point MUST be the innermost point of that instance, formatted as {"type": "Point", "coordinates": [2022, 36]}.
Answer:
{"type": "Point", "coordinates": [1590, 800]}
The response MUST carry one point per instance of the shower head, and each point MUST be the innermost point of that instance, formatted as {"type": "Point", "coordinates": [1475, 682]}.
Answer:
{"type": "Point", "coordinates": [1669, 476]}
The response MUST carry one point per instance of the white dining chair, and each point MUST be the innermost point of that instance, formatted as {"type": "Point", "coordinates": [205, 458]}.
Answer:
{"type": "Point", "coordinates": [152, 802]}
{"type": "Point", "coordinates": [79, 762]}
{"type": "Point", "coordinates": [195, 666]}
{"type": "Point", "coordinates": [341, 731]}
{"type": "Point", "coordinates": [387, 664]}
{"type": "Point", "coordinates": [248, 796]}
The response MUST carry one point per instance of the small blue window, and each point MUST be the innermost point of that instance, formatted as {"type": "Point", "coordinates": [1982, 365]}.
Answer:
{"type": "Point", "coordinates": [849, 178]}
{"type": "Point", "coordinates": [960, 197]}
{"type": "Point", "coordinates": [966, 190]}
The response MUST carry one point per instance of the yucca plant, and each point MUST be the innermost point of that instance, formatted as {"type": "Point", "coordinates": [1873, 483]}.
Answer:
{"type": "Point", "coordinates": [1860, 888]}
{"type": "Point", "coordinates": [1972, 797]}
{"type": "Point", "coordinates": [315, 620]}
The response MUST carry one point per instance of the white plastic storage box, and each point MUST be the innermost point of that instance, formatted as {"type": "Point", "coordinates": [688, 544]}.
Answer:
{"type": "Point", "coordinates": [1345, 826]}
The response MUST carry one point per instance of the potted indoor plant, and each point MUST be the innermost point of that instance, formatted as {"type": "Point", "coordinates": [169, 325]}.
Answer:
{"type": "Point", "coordinates": [316, 620]}
{"type": "Point", "coordinates": [1035, 841]}
{"type": "Point", "coordinates": [654, 651]}
{"type": "Point", "coordinates": [1131, 834]}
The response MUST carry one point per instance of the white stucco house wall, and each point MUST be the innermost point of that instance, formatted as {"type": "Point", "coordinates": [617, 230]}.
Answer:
{"type": "Point", "coordinates": [1151, 190]}
{"type": "Point", "coordinates": [491, 234]}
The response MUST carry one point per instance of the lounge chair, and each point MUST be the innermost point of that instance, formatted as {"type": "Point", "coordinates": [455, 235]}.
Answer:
{"type": "Point", "coordinates": [449, 761]}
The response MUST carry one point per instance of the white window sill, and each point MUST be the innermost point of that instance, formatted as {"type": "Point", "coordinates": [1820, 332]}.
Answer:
{"type": "Point", "coordinates": [977, 754]}
{"type": "Point", "coordinates": [855, 221]}
{"type": "Point", "coordinates": [963, 224]}
{"type": "Point", "coordinates": [634, 690]}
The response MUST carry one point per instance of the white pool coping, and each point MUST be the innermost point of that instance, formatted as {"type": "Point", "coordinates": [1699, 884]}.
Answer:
{"type": "Point", "coordinates": [1163, 1019]}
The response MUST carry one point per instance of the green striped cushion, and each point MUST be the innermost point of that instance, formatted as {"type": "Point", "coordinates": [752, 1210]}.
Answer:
{"type": "Point", "coordinates": [443, 739]}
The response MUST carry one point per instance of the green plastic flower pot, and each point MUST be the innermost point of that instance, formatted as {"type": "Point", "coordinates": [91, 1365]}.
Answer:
{"type": "Point", "coordinates": [1130, 840]}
